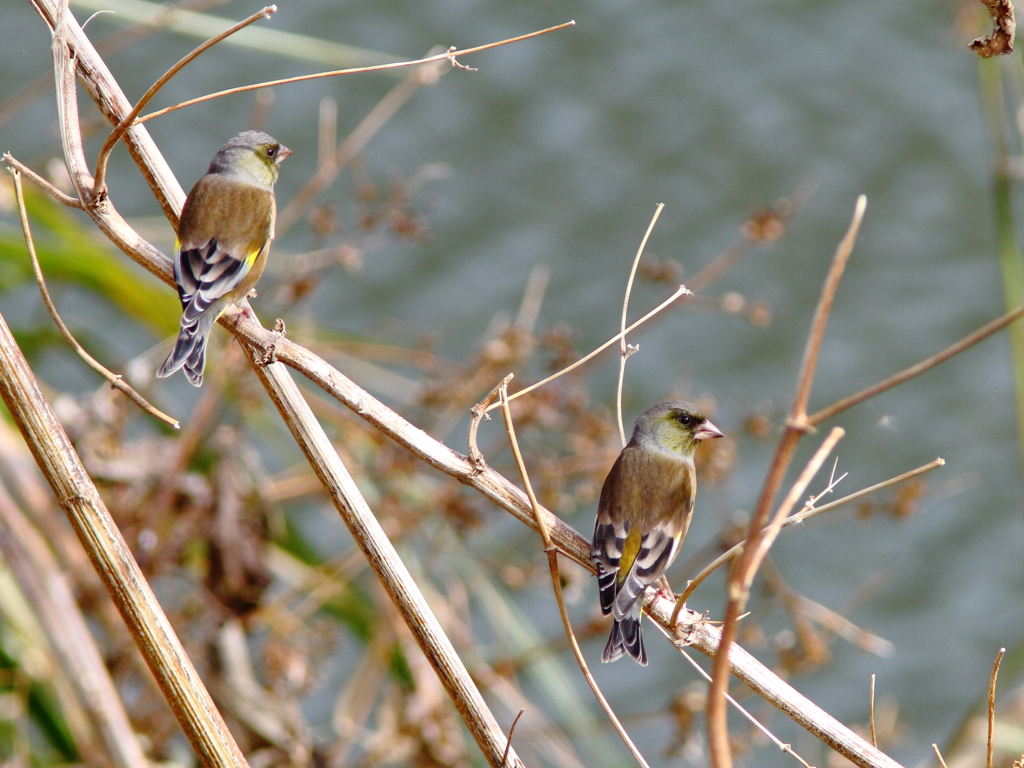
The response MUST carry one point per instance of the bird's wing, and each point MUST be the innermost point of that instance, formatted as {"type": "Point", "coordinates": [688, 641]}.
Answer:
{"type": "Point", "coordinates": [224, 227]}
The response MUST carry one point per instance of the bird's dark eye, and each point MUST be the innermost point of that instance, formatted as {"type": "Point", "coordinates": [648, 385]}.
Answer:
{"type": "Point", "coordinates": [685, 419]}
{"type": "Point", "coordinates": [271, 152]}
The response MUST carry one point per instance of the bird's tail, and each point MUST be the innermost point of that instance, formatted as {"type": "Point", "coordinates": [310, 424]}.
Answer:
{"type": "Point", "coordinates": [626, 638]}
{"type": "Point", "coordinates": [189, 353]}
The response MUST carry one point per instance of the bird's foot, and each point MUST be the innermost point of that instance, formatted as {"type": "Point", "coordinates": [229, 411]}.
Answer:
{"type": "Point", "coordinates": [246, 310]}
{"type": "Point", "coordinates": [663, 589]}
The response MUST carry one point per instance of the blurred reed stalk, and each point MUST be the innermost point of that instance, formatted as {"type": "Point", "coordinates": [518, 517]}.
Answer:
{"type": "Point", "coordinates": [994, 88]}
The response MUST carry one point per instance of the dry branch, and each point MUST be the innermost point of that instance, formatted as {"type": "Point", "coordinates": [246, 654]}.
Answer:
{"type": "Point", "coordinates": [113, 561]}
{"type": "Point", "coordinates": [624, 349]}
{"type": "Point", "coordinates": [101, 85]}
{"type": "Point", "coordinates": [556, 579]}
{"type": "Point", "coordinates": [383, 558]}
{"type": "Point", "coordinates": [450, 56]}
{"type": "Point", "coordinates": [796, 427]}
{"type": "Point", "coordinates": [999, 41]}
{"type": "Point", "coordinates": [126, 121]}
{"type": "Point", "coordinates": [116, 381]}
{"type": "Point", "coordinates": [47, 589]}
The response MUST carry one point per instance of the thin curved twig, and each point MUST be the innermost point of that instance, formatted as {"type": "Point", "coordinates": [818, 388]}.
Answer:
{"type": "Point", "coordinates": [871, 712]}
{"type": "Point", "coordinates": [511, 730]}
{"type": "Point", "coordinates": [918, 368]}
{"type": "Point", "coordinates": [783, 746]}
{"type": "Point", "coordinates": [479, 412]}
{"type": "Point", "coordinates": [680, 291]}
{"type": "Point", "coordinates": [556, 580]}
{"type": "Point", "coordinates": [804, 515]}
{"type": "Point", "coordinates": [992, 706]}
{"type": "Point", "coordinates": [796, 426]}
{"type": "Point", "coordinates": [449, 55]}
{"type": "Point", "coordinates": [624, 349]}
{"type": "Point", "coordinates": [126, 123]}
{"type": "Point", "coordinates": [116, 380]}
{"type": "Point", "coordinates": [50, 189]}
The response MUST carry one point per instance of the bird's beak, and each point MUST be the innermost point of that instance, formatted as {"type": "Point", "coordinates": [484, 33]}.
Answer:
{"type": "Point", "coordinates": [282, 153]}
{"type": "Point", "coordinates": [707, 431]}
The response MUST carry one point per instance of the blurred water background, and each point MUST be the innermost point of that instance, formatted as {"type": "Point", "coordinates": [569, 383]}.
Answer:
{"type": "Point", "coordinates": [556, 152]}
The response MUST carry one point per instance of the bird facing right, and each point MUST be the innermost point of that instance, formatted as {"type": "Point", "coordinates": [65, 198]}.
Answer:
{"type": "Point", "coordinates": [643, 514]}
{"type": "Point", "coordinates": [224, 237]}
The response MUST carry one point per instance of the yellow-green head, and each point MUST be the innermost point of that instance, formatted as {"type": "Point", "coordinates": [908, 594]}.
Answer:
{"type": "Point", "coordinates": [675, 426]}
{"type": "Point", "coordinates": [252, 157]}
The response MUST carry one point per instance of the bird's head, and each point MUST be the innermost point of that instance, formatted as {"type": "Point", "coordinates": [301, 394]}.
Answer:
{"type": "Point", "coordinates": [252, 157]}
{"type": "Point", "coordinates": [675, 426]}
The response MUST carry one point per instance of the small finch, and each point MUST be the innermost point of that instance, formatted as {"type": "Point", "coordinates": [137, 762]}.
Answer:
{"type": "Point", "coordinates": [224, 237]}
{"type": "Point", "coordinates": [645, 508]}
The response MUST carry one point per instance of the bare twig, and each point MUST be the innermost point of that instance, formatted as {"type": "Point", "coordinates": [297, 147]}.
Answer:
{"type": "Point", "coordinates": [680, 291]}
{"type": "Point", "coordinates": [939, 755]}
{"type": "Point", "coordinates": [448, 55]}
{"type": "Point", "coordinates": [918, 368]}
{"type": "Point", "coordinates": [479, 412]}
{"type": "Point", "coordinates": [784, 747]}
{"type": "Point", "coordinates": [624, 349]}
{"type": "Point", "coordinates": [871, 713]}
{"type": "Point", "coordinates": [113, 104]}
{"type": "Point", "coordinates": [796, 425]}
{"type": "Point", "coordinates": [506, 412]}
{"type": "Point", "coordinates": [766, 538]}
{"type": "Point", "coordinates": [556, 581]}
{"type": "Point", "coordinates": [126, 122]}
{"type": "Point", "coordinates": [511, 730]}
{"type": "Point", "coordinates": [803, 515]}
{"type": "Point", "coordinates": [46, 186]}
{"type": "Point", "coordinates": [810, 361]}
{"type": "Point", "coordinates": [116, 380]}
{"type": "Point", "coordinates": [736, 549]}
{"type": "Point", "coordinates": [808, 512]}
{"type": "Point", "coordinates": [992, 706]}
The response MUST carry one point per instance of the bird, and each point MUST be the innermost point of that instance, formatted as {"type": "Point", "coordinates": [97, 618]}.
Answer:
{"type": "Point", "coordinates": [642, 516]}
{"type": "Point", "coordinates": [224, 237]}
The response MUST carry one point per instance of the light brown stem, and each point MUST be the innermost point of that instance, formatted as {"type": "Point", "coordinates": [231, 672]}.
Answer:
{"type": "Point", "coordinates": [796, 426]}
{"type": "Point", "coordinates": [113, 561]}
{"type": "Point", "coordinates": [382, 557]}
